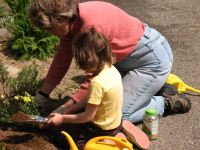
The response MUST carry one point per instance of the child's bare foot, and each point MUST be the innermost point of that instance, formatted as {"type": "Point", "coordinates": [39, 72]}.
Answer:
{"type": "Point", "coordinates": [120, 135]}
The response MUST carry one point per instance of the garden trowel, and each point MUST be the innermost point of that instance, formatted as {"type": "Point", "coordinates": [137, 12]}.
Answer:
{"type": "Point", "coordinates": [37, 119]}
{"type": "Point", "coordinates": [21, 117]}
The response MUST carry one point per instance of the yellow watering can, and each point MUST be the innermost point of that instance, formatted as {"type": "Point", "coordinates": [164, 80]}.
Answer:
{"type": "Point", "coordinates": [98, 144]}
{"type": "Point", "coordinates": [180, 85]}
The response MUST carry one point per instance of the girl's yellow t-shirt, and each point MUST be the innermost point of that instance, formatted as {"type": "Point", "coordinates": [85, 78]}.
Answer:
{"type": "Point", "coordinates": [106, 91]}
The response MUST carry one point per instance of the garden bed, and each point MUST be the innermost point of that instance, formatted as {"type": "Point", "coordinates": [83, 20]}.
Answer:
{"type": "Point", "coordinates": [22, 136]}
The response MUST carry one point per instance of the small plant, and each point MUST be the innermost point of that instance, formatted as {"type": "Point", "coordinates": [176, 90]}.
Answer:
{"type": "Point", "coordinates": [18, 93]}
{"type": "Point", "coordinates": [26, 80]}
{"type": "Point", "coordinates": [26, 103]}
{"type": "Point", "coordinates": [11, 105]}
{"type": "Point", "coordinates": [4, 109]}
{"type": "Point", "coordinates": [2, 11]}
{"type": "Point", "coordinates": [6, 20]}
{"type": "Point", "coordinates": [2, 147]}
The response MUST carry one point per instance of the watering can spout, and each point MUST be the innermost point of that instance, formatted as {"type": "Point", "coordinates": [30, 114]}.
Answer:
{"type": "Point", "coordinates": [180, 85]}
{"type": "Point", "coordinates": [70, 140]}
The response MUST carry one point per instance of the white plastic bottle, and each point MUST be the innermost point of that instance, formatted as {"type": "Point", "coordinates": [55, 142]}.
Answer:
{"type": "Point", "coordinates": [150, 123]}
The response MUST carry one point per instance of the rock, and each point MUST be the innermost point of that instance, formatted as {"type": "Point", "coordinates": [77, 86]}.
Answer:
{"type": "Point", "coordinates": [13, 71]}
{"type": "Point", "coordinates": [4, 34]}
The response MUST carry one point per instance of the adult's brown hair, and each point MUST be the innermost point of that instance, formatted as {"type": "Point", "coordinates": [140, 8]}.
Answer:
{"type": "Point", "coordinates": [45, 13]}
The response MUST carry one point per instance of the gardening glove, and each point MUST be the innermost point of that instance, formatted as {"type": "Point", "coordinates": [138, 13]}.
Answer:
{"type": "Point", "coordinates": [41, 99]}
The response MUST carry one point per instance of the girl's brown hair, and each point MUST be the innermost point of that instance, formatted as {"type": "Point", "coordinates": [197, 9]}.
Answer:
{"type": "Point", "coordinates": [44, 13]}
{"type": "Point", "coordinates": [92, 50]}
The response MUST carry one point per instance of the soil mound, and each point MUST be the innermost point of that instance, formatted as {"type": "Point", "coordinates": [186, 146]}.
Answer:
{"type": "Point", "coordinates": [21, 136]}
{"type": "Point", "coordinates": [25, 141]}
{"type": "Point", "coordinates": [20, 117]}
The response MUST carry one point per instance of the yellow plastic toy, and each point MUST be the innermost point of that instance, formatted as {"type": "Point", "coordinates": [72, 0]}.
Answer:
{"type": "Point", "coordinates": [97, 143]}
{"type": "Point", "coordinates": [180, 85]}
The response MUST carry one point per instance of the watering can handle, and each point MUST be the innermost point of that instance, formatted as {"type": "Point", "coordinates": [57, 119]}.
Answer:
{"type": "Point", "coordinates": [120, 142]}
{"type": "Point", "coordinates": [70, 140]}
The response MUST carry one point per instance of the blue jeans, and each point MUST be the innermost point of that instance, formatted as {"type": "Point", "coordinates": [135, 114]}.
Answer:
{"type": "Point", "coordinates": [144, 72]}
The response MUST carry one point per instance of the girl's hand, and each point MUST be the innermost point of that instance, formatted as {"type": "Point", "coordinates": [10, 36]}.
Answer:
{"type": "Point", "coordinates": [55, 119]}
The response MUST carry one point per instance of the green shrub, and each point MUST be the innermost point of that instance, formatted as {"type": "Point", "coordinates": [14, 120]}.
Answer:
{"type": "Point", "coordinates": [28, 41]}
{"type": "Point", "coordinates": [27, 47]}
{"type": "Point", "coordinates": [18, 93]}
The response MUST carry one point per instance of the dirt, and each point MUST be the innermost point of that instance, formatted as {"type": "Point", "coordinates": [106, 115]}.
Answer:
{"type": "Point", "coordinates": [20, 117]}
{"type": "Point", "coordinates": [15, 140]}
{"type": "Point", "coordinates": [179, 21]}
{"type": "Point", "coordinates": [21, 136]}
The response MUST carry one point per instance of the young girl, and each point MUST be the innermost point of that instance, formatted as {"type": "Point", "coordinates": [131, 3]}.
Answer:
{"type": "Point", "coordinates": [102, 114]}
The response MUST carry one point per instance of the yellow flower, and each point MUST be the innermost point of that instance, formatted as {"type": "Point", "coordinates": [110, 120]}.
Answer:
{"type": "Point", "coordinates": [2, 96]}
{"type": "Point", "coordinates": [16, 97]}
{"type": "Point", "coordinates": [26, 99]}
